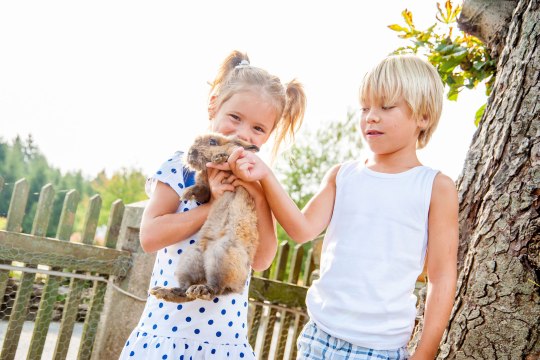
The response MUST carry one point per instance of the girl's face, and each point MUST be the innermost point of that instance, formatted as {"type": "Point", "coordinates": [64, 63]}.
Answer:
{"type": "Point", "coordinates": [247, 115]}
{"type": "Point", "coordinates": [390, 128]}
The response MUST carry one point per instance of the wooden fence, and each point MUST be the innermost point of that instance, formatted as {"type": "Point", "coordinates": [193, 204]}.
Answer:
{"type": "Point", "coordinates": [85, 271]}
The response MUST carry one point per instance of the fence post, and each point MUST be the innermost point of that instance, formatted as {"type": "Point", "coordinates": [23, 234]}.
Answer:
{"type": "Point", "coordinates": [121, 313]}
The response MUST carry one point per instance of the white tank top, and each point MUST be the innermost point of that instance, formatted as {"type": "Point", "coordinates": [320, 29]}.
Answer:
{"type": "Point", "coordinates": [372, 254]}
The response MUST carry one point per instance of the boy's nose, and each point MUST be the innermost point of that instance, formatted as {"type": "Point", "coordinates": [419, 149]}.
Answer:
{"type": "Point", "coordinates": [373, 118]}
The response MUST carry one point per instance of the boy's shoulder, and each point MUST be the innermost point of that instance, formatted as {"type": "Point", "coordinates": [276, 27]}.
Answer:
{"type": "Point", "coordinates": [443, 187]}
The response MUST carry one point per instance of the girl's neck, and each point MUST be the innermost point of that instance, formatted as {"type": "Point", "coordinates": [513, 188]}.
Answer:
{"type": "Point", "coordinates": [392, 164]}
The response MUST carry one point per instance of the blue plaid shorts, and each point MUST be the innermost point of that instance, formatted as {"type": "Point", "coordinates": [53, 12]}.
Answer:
{"type": "Point", "coordinates": [315, 344]}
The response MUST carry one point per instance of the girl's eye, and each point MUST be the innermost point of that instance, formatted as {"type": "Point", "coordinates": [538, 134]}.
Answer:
{"type": "Point", "coordinates": [235, 117]}
{"type": "Point", "coordinates": [213, 142]}
{"type": "Point", "coordinates": [388, 107]}
{"type": "Point", "coordinates": [364, 109]}
{"type": "Point", "coordinates": [259, 129]}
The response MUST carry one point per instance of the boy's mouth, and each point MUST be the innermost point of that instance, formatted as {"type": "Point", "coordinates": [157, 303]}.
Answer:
{"type": "Point", "coordinates": [372, 133]}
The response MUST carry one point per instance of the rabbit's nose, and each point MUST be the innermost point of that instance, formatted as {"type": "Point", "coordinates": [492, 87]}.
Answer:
{"type": "Point", "coordinates": [193, 154]}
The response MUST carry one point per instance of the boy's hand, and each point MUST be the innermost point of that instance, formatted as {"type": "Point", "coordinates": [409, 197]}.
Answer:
{"type": "Point", "coordinates": [245, 165]}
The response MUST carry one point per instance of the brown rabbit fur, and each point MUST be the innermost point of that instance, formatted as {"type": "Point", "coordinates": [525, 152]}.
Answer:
{"type": "Point", "coordinates": [221, 261]}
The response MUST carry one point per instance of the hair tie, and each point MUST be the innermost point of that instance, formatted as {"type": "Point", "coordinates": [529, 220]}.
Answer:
{"type": "Point", "coordinates": [243, 64]}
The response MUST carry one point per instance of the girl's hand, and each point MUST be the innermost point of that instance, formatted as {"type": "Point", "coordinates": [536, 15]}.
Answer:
{"type": "Point", "coordinates": [244, 165]}
{"type": "Point", "coordinates": [219, 182]}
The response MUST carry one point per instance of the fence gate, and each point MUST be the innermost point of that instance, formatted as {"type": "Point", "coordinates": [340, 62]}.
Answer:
{"type": "Point", "coordinates": [52, 289]}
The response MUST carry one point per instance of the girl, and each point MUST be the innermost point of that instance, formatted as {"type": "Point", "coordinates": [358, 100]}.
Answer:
{"type": "Point", "coordinates": [252, 104]}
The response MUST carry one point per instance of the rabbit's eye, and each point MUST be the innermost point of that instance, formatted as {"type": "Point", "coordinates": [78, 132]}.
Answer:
{"type": "Point", "coordinates": [213, 142]}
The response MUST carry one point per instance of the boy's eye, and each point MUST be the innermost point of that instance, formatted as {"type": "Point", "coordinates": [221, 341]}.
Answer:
{"type": "Point", "coordinates": [213, 142]}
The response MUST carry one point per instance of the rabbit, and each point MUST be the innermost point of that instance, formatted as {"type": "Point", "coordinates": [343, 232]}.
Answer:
{"type": "Point", "coordinates": [221, 261]}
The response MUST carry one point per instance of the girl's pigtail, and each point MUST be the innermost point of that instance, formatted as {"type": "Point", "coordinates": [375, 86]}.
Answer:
{"type": "Point", "coordinates": [227, 66]}
{"type": "Point", "coordinates": [293, 114]}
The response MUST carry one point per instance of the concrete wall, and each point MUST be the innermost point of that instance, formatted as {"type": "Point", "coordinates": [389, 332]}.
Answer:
{"type": "Point", "coordinates": [121, 313]}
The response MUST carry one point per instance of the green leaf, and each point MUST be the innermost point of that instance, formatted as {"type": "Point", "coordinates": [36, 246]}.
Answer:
{"type": "Point", "coordinates": [479, 114]}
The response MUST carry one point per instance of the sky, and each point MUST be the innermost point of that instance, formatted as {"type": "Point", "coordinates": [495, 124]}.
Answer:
{"type": "Point", "coordinates": [106, 85]}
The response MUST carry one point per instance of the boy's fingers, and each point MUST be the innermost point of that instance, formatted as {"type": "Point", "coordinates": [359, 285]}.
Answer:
{"type": "Point", "coordinates": [223, 166]}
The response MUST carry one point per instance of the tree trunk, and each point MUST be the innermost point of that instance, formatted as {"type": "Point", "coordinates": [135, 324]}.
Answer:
{"type": "Point", "coordinates": [497, 309]}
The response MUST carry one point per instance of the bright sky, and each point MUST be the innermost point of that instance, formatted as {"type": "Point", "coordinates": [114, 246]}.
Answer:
{"type": "Point", "coordinates": [112, 84]}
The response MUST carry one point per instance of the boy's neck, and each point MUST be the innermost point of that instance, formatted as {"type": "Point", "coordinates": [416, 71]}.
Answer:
{"type": "Point", "coordinates": [392, 164]}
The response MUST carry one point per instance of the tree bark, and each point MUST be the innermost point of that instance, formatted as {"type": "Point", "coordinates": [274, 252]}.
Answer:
{"type": "Point", "coordinates": [487, 20]}
{"type": "Point", "coordinates": [497, 309]}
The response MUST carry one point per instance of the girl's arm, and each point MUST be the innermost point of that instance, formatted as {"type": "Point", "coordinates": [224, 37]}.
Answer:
{"type": "Point", "coordinates": [265, 224]}
{"type": "Point", "coordinates": [441, 265]}
{"type": "Point", "coordinates": [161, 226]}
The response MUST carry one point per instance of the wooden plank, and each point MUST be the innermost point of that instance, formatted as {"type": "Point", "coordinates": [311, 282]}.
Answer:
{"type": "Point", "coordinates": [17, 317]}
{"type": "Point", "coordinates": [20, 305]}
{"type": "Point", "coordinates": [91, 322]}
{"type": "Point", "coordinates": [1, 183]}
{"type": "Point", "coordinates": [50, 290]}
{"type": "Point", "coordinates": [286, 316]}
{"type": "Point", "coordinates": [91, 220]}
{"type": "Point", "coordinates": [67, 217]}
{"type": "Point", "coordinates": [69, 315]}
{"type": "Point", "coordinates": [47, 251]}
{"type": "Point", "coordinates": [17, 206]}
{"type": "Point", "coordinates": [279, 274]}
{"type": "Point", "coordinates": [43, 317]}
{"type": "Point", "coordinates": [299, 323]}
{"type": "Point", "coordinates": [296, 263]}
{"type": "Point", "coordinates": [309, 266]}
{"type": "Point", "coordinates": [114, 223]}
{"type": "Point", "coordinates": [255, 324]}
{"type": "Point", "coordinates": [43, 211]}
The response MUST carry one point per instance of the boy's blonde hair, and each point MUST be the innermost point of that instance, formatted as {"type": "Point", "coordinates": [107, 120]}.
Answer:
{"type": "Point", "coordinates": [236, 75]}
{"type": "Point", "coordinates": [413, 79]}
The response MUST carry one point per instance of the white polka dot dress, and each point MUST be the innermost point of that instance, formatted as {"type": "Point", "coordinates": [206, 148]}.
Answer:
{"type": "Point", "coordinates": [200, 329]}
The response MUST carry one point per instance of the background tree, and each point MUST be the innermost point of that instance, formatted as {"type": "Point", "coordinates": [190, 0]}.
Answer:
{"type": "Point", "coordinates": [497, 309]}
{"type": "Point", "coordinates": [23, 159]}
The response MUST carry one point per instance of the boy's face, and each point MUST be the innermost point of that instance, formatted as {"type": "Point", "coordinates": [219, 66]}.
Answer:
{"type": "Point", "coordinates": [390, 128]}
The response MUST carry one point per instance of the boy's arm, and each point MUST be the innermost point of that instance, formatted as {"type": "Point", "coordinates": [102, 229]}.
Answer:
{"type": "Point", "coordinates": [305, 225]}
{"type": "Point", "coordinates": [441, 265]}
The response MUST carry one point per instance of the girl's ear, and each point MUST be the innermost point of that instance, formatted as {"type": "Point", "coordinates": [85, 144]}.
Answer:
{"type": "Point", "coordinates": [212, 107]}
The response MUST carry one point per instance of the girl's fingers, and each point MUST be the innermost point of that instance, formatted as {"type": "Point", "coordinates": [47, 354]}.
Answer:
{"type": "Point", "coordinates": [229, 179]}
{"type": "Point", "coordinates": [226, 187]}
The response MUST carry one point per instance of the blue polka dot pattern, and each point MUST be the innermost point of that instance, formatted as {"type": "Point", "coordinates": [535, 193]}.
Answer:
{"type": "Point", "coordinates": [194, 330]}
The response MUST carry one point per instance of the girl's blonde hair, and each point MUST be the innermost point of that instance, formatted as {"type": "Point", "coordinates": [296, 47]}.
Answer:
{"type": "Point", "coordinates": [289, 100]}
{"type": "Point", "coordinates": [411, 78]}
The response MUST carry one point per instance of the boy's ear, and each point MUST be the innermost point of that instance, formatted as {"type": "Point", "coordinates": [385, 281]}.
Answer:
{"type": "Point", "coordinates": [423, 122]}
{"type": "Point", "coordinates": [212, 106]}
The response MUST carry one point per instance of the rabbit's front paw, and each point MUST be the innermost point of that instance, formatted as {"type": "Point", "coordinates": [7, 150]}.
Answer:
{"type": "Point", "coordinates": [220, 158]}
